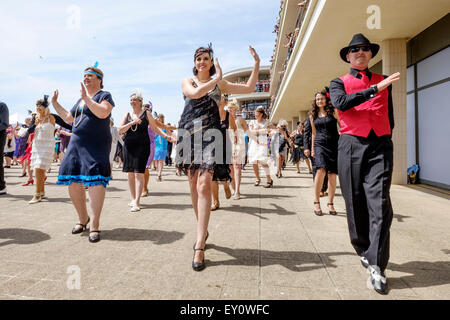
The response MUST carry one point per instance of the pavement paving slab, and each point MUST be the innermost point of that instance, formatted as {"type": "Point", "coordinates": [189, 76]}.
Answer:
{"type": "Point", "coordinates": [268, 245]}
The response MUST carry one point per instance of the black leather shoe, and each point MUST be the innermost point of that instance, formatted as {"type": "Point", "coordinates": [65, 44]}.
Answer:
{"type": "Point", "coordinates": [269, 184]}
{"type": "Point", "coordinates": [378, 280]}
{"type": "Point", "coordinates": [96, 238]}
{"type": "Point", "coordinates": [198, 266]}
{"type": "Point", "coordinates": [332, 212]}
{"type": "Point", "coordinates": [317, 212]}
{"type": "Point", "coordinates": [83, 227]}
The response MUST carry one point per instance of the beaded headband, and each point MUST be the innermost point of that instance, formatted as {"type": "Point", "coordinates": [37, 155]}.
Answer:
{"type": "Point", "coordinates": [43, 102]}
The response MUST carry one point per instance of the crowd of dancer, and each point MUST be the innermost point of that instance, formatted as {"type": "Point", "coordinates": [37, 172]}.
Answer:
{"type": "Point", "coordinates": [213, 143]}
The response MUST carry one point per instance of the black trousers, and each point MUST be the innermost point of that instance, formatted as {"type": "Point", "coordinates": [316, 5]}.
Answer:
{"type": "Point", "coordinates": [365, 173]}
{"type": "Point", "coordinates": [168, 159]}
{"type": "Point", "coordinates": [2, 148]}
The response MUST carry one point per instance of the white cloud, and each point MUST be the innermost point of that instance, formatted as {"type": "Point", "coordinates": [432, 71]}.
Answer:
{"type": "Point", "coordinates": [145, 44]}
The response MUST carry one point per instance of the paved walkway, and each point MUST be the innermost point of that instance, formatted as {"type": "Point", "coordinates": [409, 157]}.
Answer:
{"type": "Point", "coordinates": [268, 245]}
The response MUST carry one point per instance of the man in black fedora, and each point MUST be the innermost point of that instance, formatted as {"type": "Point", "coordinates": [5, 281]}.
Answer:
{"type": "Point", "coordinates": [365, 155]}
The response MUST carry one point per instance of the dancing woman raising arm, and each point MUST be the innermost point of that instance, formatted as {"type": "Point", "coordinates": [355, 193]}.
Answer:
{"type": "Point", "coordinates": [202, 95]}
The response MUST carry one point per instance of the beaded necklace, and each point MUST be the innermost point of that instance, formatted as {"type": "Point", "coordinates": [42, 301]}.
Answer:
{"type": "Point", "coordinates": [81, 115]}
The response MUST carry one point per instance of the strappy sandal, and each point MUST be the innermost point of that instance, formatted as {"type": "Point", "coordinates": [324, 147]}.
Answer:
{"type": "Point", "coordinates": [83, 227]}
{"type": "Point", "coordinates": [269, 184]}
{"type": "Point", "coordinates": [318, 212]}
{"type": "Point", "coordinates": [257, 182]}
{"type": "Point", "coordinates": [333, 213]}
{"type": "Point", "coordinates": [215, 206]}
{"type": "Point", "coordinates": [96, 238]}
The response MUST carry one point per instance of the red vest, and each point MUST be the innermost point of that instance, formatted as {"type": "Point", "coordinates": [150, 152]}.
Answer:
{"type": "Point", "coordinates": [372, 114]}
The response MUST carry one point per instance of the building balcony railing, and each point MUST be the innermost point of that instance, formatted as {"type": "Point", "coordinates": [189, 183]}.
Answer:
{"type": "Point", "coordinates": [292, 39]}
{"type": "Point", "coordinates": [261, 86]}
{"type": "Point", "coordinates": [250, 114]}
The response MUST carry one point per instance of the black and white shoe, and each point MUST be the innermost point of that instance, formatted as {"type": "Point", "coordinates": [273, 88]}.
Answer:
{"type": "Point", "coordinates": [364, 262]}
{"type": "Point", "coordinates": [3, 191]}
{"type": "Point", "coordinates": [378, 280]}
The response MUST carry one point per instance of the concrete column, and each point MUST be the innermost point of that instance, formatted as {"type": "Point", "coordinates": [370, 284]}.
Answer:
{"type": "Point", "coordinates": [289, 125]}
{"type": "Point", "coordinates": [394, 60]}
{"type": "Point", "coordinates": [302, 115]}
{"type": "Point", "coordinates": [294, 123]}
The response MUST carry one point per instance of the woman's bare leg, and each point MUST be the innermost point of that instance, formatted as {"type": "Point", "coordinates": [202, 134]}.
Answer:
{"type": "Point", "coordinates": [215, 193]}
{"type": "Point", "coordinates": [193, 188]}
{"type": "Point", "coordinates": [132, 185]}
{"type": "Point", "coordinates": [78, 197]}
{"type": "Point", "coordinates": [96, 199]}
{"type": "Point", "coordinates": [331, 189]}
{"type": "Point", "coordinates": [146, 179]}
{"type": "Point", "coordinates": [204, 212]}
{"type": "Point", "coordinates": [256, 170]}
{"type": "Point", "coordinates": [139, 180]}
{"type": "Point", "coordinates": [318, 183]}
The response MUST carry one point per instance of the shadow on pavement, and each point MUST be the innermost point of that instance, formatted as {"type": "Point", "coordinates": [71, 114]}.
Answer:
{"type": "Point", "coordinates": [22, 236]}
{"type": "Point", "coordinates": [156, 236]}
{"type": "Point", "coordinates": [430, 190]}
{"type": "Point", "coordinates": [169, 206]}
{"type": "Point", "coordinates": [423, 273]}
{"type": "Point", "coordinates": [113, 189]}
{"type": "Point", "coordinates": [256, 211]}
{"type": "Point", "coordinates": [264, 196]}
{"type": "Point", "coordinates": [28, 197]}
{"type": "Point", "coordinates": [162, 194]}
{"type": "Point", "coordinates": [292, 260]}
{"type": "Point", "coordinates": [398, 217]}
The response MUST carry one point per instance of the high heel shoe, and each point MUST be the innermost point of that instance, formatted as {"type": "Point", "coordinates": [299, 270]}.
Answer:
{"type": "Point", "coordinates": [83, 227]}
{"type": "Point", "coordinates": [269, 184]}
{"type": "Point", "coordinates": [36, 198]}
{"type": "Point", "coordinates": [23, 174]}
{"type": "Point", "coordinates": [198, 266]}
{"type": "Point", "coordinates": [215, 206]}
{"type": "Point", "coordinates": [96, 238]}
{"type": "Point", "coordinates": [333, 213]}
{"type": "Point", "coordinates": [257, 182]}
{"type": "Point", "coordinates": [31, 181]}
{"type": "Point", "coordinates": [317, 212]}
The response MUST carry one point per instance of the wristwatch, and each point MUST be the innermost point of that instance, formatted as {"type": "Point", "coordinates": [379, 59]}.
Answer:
{"type": "Point", "coordinates": [374, 88]}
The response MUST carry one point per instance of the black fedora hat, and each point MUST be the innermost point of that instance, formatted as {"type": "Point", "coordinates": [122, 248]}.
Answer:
{"type": "Point", "coordinates": [358, 40]}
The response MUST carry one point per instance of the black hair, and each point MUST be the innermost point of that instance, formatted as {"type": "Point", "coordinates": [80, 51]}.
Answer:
{"type": "Point", "coordinates": [200, 51]}
{"type": "Point", "coordinates": [329, 108]}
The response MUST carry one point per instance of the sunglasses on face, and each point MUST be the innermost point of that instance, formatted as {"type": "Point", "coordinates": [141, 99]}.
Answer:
{"type": "Point", "coordinates": [356, 49]}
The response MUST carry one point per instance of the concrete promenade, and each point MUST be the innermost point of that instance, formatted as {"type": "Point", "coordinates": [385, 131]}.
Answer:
{"type": "Point", "coordinates": [268, 245]}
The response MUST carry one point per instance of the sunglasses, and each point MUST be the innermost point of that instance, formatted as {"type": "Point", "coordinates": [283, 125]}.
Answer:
{"type": "Point", "coordinates": [356, 49]}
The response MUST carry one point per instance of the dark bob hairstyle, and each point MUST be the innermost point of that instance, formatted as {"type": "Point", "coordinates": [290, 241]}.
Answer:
{"type": "Point", "coordinates": [200, 51]}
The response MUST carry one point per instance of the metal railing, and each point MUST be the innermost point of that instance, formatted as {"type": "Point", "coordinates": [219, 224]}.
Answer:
{"type": "Point", "coordinates": [298, 24]}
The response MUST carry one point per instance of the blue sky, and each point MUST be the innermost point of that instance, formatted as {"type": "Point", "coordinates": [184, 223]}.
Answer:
{"type": "Point", "coordinates": [148, 45]}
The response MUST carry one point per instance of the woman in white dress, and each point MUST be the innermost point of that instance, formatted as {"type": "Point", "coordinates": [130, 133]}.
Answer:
{"type": "Point", "coordinates": [43, 146]}
{"type": "Point", "coordinates": [116, 138]}
{"type": "Point", "coordinates": [238, 148]}
{"type": "Point", "coordinates": [258, 151]}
